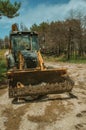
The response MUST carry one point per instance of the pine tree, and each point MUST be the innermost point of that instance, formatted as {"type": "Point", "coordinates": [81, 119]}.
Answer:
{"type": "Point", "coordinates": [9, 9]}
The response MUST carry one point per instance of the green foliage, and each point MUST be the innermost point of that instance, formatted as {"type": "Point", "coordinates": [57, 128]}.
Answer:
{"type": "Point", "coordinates": [62, 58]}
{"type": "Point", "coordinates": [2, 66]}
{"type": "Point", "coordinates": [78, 60]}
{"type": "Point", "coordinates": [2, 71]}
{"type": "Point", "coordinates": [8, 9]}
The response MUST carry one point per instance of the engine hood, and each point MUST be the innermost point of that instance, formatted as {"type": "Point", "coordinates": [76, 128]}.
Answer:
{"type": "Point", "coordinates": [29, 54]}
{"type": "Point", "coordinates": [30, 58]}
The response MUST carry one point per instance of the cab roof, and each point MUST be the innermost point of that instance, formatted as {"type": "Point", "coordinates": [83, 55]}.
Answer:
{"type": "Point", "coordinates": [23, 32]}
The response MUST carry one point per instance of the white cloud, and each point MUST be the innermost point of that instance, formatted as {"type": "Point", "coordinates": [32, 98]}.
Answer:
{"type": "Point", "coordinates": [43, 12]}
{"type": "Point", "coordinates": [52, 12]}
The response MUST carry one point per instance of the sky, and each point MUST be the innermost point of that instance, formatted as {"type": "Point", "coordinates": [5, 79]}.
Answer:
{"type": "Point", "coordinates": [37, 11]}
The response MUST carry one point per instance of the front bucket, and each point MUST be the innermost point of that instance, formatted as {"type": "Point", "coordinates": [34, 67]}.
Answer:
{"type": "Point", "coordinates": [37, 82]}
{"type": "Point", "coordinates": [34, 77]}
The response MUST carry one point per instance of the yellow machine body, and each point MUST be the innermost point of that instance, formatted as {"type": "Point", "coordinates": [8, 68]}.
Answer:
{"type": "Point", "coordinates": [27, 72]}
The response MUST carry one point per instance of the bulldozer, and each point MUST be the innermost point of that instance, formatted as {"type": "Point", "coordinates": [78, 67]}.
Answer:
{"type": "Point", "coordinates": [26, 71]}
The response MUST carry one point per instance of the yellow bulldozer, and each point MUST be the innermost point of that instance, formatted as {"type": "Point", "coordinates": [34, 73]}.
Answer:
{"type": "Point", "coordinates": [27, 73]}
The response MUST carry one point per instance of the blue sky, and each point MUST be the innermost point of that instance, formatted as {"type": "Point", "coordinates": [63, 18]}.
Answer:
{"type": "Point", "coordinates": [37, 11]}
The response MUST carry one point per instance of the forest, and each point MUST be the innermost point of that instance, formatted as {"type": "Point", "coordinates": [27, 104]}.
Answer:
{"type": "Point", "coordinates": [65, 38]}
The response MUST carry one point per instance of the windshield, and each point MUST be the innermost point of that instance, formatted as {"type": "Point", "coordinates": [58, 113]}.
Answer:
{"type": "Point", "coordinates": [21, 42]}
{"type": "Point", "coordinates": [35, 45]}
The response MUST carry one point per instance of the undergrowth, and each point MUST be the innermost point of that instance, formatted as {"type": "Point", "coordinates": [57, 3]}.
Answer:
{"type": "Point", "coordinates": [2, 66]}
{"type": "Point", "coordinates": [77, 60]}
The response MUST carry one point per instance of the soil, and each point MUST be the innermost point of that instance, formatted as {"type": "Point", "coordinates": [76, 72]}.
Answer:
{"type": "Point", "coordinates": [51, 112]}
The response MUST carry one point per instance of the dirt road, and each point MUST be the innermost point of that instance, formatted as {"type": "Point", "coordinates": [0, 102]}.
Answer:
{"type": "Point", "coordinates": [53, 112]}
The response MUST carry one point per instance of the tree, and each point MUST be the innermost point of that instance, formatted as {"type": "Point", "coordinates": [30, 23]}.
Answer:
{"type": "Point", "coordinates": [8, 9]}
{"type": "Point", "coordinates": [6, 42]}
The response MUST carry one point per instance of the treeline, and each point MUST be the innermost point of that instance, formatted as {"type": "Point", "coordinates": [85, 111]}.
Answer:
{"type": "Point", "coordinates": [4, 43]}
{"type": "Point", "coordinates": [60, 38]}
{"type": "Point", "coordinates": [67, 38]}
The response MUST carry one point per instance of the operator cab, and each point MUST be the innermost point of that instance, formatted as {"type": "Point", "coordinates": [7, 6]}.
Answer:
{"type": "Point", "coordinates": [26, 45]}
{"type": "Point", "coordinates": [24, 40]}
